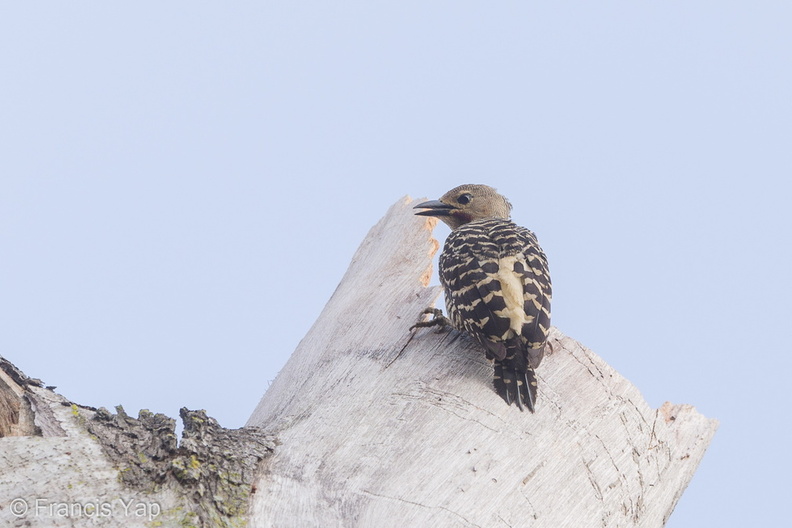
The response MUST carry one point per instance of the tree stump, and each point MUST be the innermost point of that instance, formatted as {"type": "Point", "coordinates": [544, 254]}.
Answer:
{"type": "Point", "coordinates": [368, 424]}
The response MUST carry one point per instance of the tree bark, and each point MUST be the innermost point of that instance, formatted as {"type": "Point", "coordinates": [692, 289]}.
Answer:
{"type": "Point", "coordinates": [63, 464]}
{"type": "Point", "coordinates": [368, 424]}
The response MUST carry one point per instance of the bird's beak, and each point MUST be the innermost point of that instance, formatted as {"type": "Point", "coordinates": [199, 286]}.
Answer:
{"type": "Point", "coordinates": [434, 208]}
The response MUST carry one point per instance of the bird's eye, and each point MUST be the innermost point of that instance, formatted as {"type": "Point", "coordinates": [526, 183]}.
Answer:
{"type": "Point", "coordinates": [465, 198]}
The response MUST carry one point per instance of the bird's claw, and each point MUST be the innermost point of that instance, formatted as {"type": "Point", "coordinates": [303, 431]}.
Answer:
{"type": "Point", "coordinates": [438, 319]}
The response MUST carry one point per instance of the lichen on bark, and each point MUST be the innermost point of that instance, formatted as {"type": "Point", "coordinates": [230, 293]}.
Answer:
{"type": "Point", "coordinates": [212, 468]}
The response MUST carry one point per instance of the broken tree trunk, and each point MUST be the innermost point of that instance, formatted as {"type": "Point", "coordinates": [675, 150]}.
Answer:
{"type": "Point", "coordinates": [368, 424]}
{"type": "Point", "coordinates": [380, 426]}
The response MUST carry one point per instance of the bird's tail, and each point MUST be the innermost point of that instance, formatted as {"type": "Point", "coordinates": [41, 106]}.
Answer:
{"type": "Point", "coordinates": [515, 378]}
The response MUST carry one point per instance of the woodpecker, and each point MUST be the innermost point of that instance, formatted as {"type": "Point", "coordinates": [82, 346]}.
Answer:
{"type": "Point", "coordinates": [497, 286]}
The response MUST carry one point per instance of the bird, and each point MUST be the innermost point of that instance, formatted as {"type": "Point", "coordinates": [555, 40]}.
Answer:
{"type": "Point", "coordinates": [497, 286]}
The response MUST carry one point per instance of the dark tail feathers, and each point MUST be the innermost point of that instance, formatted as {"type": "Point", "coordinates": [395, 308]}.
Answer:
{"type": "Point", "coordinates": [513, 384]}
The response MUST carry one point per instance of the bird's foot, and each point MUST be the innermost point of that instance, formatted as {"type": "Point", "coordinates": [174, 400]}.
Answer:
{"type": "Point", "coordinates": [438, 319]}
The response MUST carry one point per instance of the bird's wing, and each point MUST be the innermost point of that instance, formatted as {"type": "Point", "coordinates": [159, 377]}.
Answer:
{"type": "Point", "coordinates": [523, 258]}
{"type": "Point", "coordinates": [498, 286]}
{"type": "Point", "coordinates": [468, 267]}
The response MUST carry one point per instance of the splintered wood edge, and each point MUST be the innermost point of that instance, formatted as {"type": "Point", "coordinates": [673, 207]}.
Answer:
{"type": "Point", "coordinates": [429, 224]}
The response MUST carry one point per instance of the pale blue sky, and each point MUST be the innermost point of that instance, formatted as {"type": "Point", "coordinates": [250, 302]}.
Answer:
{"type": "Point", "coordinates": [184, 183]}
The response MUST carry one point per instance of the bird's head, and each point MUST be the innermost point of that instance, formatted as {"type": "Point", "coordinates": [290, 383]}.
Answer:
{"type": "Point", "coordinates": [467, 203]}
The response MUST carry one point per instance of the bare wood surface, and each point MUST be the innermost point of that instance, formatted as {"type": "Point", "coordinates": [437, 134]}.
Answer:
{"type": "Point", "coordinates": [379, 426]}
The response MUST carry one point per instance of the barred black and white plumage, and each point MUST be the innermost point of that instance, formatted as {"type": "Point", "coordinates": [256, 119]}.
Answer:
{"type": "Point", "coordinates": [497, 285]}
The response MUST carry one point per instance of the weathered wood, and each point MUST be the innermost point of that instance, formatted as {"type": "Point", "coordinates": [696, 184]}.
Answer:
{"type": "Point", "coordinates": [380, 426]}
{"type": "Point", "coordinates": [368, 424]}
